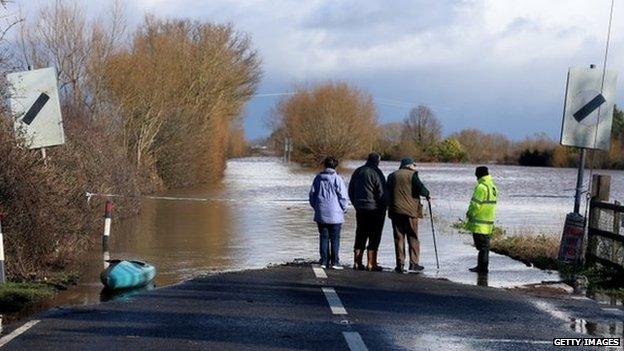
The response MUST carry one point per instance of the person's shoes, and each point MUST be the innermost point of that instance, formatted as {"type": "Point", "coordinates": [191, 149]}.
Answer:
{"type": "Point", "coordinates": [338, 267]}
{"type": "Point", "coordinates": [374, 269]}
{"type": "Point", "coordinates": [399, 270]}
{"type": "Point", "coordinates": [478, 269]}
{"type": "Point", "coordinates": [357, 260]}
{"type": "Point", "coordinates": [358, 267]}
{"type": "Point", "coordinates": [323, 266]}
{"type": "Point", "coordinates": [416, 268]}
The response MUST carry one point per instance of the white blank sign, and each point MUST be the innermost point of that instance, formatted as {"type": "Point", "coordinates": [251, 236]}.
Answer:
{"type": "Point", "coordinates": [588, 110]}
{"type": "Point", "coordinates": [34, 102]}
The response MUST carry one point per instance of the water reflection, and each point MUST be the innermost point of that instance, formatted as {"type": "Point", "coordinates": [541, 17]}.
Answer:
{"type": "Point", "coordinates": [482, 279]}
{"type": "Point", "coordinates": [605, 299]}
{"type": "Point", "coordinates": [124, 295]}
{"type": "Point", "coordinates": [182, 237]}
{"type": "Point", "coordinates": [602, 329]}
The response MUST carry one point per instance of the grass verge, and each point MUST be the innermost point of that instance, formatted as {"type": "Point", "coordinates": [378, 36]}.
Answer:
{"type": "Point", "coordinates": [17, 296]}
{"type": "Point", "coordinates": [541, 251]}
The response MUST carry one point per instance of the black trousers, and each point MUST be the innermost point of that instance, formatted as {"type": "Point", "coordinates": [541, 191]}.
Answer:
{"type": "Point", "coordinates": [369, 227]}
{"type": "Point", "coordinates": [482, 243]}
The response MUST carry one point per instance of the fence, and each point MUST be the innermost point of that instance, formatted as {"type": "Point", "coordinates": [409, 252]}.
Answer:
{"type": "Point", "coordinates": [605, 242]}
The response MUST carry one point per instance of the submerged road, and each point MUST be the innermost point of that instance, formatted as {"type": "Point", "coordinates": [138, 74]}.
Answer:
{"type": "Point", "coordinates": [301, 307]}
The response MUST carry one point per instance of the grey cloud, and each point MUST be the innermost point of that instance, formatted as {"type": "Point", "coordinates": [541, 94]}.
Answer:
{"type": "Point", "coordinates": [355, 23]}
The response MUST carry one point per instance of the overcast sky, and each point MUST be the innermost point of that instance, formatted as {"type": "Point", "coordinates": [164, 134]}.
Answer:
{"type": "Point", "coordinates": [495, 65]}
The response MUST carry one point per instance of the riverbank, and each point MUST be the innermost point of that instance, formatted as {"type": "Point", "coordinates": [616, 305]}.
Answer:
{"type": "Point", "coordinates": [296, 306]}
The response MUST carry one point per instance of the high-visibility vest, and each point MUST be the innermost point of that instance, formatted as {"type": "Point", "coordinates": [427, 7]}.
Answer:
{"type": "Point", "coordinates": [482, 210]}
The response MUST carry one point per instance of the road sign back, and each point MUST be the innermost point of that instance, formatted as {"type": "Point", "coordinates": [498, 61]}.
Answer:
{"type": "Point", "coordinates": [588, 111]}
{"type": "Point", "coordinates": [36, 109]}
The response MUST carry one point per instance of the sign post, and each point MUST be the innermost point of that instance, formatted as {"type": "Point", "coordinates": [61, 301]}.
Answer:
{"type": "Point", "coordinates": [578, 196]}
{"type": "Point", "coordinates": [587, 120]}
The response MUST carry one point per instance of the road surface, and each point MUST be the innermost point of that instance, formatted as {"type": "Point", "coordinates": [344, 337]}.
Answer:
{"type": "Point", "coordinates": [298, 306]}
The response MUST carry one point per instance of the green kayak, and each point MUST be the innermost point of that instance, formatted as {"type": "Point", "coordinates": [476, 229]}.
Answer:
{"type": "Point", "coordinates": [122, 274]}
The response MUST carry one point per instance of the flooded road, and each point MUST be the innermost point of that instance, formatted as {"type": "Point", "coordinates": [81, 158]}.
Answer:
{"type": "Point", "coordinates": [259, 215]}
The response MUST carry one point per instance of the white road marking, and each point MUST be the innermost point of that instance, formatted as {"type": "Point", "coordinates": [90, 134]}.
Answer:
{"type": "Point", "coordinates": [334, 301]}
{"type": "Point", "coordinates": [319, 272]}
{"type": "Point", "coordinates": [6, 339]}
{"type": "Point", "coordinates": [355, 342]}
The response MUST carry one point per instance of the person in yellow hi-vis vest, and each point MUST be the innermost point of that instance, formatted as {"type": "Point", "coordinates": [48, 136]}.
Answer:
{"type": "Point", "coordinates": [481, 215]}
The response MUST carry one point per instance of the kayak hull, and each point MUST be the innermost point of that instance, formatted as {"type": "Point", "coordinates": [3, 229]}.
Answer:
{"type": "Point", "coordinates": [126, 274]}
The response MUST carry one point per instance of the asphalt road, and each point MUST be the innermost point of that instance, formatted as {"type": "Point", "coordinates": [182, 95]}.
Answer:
{"type": "Point", "coordinates": [290, 307]}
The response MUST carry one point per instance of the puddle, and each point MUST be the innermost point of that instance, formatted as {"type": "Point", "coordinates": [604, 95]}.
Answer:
{"type": "Point", "coordinates": [605, 299]}
{"type": "Point", "coordinates": [600, 329]}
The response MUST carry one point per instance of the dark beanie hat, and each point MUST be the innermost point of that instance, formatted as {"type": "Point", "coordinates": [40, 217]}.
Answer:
{"type": "Point", "coordinates": [406, 161]}
{"type": "Point", "coordinates": [481, 171]}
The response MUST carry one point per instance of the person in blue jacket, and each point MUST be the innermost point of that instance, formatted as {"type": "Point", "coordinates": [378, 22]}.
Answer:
{"type": "Point", "coordinates": [328, 197]}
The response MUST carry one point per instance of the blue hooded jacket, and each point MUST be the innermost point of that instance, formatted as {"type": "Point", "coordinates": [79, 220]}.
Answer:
{"type": "Point", "coordinates": [328, 197]}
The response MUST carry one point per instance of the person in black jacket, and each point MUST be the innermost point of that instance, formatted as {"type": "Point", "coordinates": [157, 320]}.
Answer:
{"type": "Point", "coordinates": [367, 193]}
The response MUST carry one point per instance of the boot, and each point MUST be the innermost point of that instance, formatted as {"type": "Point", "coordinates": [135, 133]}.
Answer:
{"type": "Point", "coordinates": [357, 260]}
{"type": "Point", "coordinates": [372, 262]}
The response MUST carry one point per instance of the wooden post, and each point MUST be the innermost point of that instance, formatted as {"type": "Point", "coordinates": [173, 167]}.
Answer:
{"type": "Point", "coordinates": [600, 191]}
{"type": "Point", "coordinates": [601, 187]}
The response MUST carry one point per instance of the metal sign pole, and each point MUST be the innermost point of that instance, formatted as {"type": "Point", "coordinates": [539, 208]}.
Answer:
{"type": "Point", "coordinates": [44, 156]}
{"type": "Point", "coordinates": [579, 181]}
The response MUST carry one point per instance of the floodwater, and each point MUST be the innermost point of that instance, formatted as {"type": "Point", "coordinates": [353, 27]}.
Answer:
{"type": "Point", "coordinates": [259, 215]}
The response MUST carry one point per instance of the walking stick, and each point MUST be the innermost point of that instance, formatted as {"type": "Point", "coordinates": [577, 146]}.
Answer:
{"type": "Point", "coordinates": [435, 246]}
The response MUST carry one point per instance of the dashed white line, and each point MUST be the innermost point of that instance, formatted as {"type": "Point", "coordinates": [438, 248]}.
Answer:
{"type": "Point", "coordinates": [319, 272]}
{"type": "Point", "coordinates": [6, 339]}
{"type": "Point", "coordinates": [334, 301]}
{"type": "Point", "coordinates": [355, 342]}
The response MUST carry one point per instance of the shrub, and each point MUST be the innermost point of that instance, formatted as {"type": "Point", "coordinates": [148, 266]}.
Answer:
{"type": "Point", "coordinates": [535, 158]}
{"type": "Point", "coordinates": [47, 220]}
{"type": "Point", "coordinates": [181, 87]}
{"type": "Point", "coordinates": [448, 150]}
{"type": "Point", "coordinates": [328, 119]}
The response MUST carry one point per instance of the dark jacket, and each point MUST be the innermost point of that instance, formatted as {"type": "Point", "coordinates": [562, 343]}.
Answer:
{"type": "Point", "coordinates": [404, 191]}
{"type": "Point", "coordinates": [367, 188]}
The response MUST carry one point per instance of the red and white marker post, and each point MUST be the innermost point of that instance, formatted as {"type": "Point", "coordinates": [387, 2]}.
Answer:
{"type": "Point", "coordinates": [108, 218]}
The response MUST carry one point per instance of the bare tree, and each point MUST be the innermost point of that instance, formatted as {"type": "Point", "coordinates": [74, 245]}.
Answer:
{"type": "Point", "coordinates": [9, 20]}
{"type": "Point", "coordinates": [422, 127]}
{"type": "Point", "coordinates": [62, 36]}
